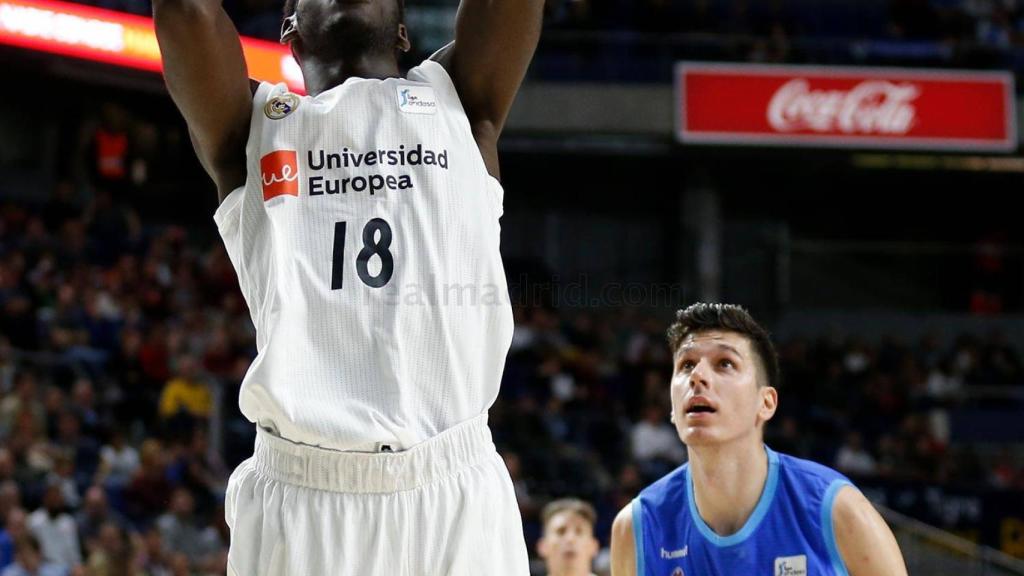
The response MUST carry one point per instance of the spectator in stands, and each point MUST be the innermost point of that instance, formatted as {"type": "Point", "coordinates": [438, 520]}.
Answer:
{"type": "Point", "coordinates": [119, 462]}
{"type": "Point", "coordinates": [114, 554]}
{"type": "Point", "coordinates": [104, 148]}
{"type": "Point", "coordinates": [568, 546]}
{"type": "Point", "coordinates": [63, 323]}
{"type": "Point", "coordinates": [55, 404]}
{"type": "Point", "coordinates": [24, 400]}
{"type": "Point", "coordinates": [95, 513]}
{"type": "Point", "coordinates": [10, 498]}
{"type": "Point", "coordinates": [655, 443]}
{"type": "Point", "coordinates": [148, 491]}
{"type": "Point", "coordinates": [195, 467]}
{"type": "Point", "coordinates": [15, 528]}
{"type": "Point", "coordinates": [56, 530]}
{"type": "Point", "coordinates": [6, 466]}
{"type": "Point", "coordinates": [83, 404]}
{"type": "Point", "coordinates": [29, 562]}
{"type": "Point", "coordinates": [182, 534]}
{"type": "Point", "coordinates": [944, 383]}
{"type": "Point", "coordinates": [83, 449]}
{"type": "Point", "coordinates": [63, 475]}
{"type": "Point", "coordinates": [154, 558]}
{"type": "Point", "coordinates": [853, 459]}
{"type": "Point", "coordinates": [186, 392]}
{"type": "Point", "coordinates": [924, 451]}
{"type": "Point", "coordinates": [30, 450]}
{"type": "Point", "coordinates": [219, 358]}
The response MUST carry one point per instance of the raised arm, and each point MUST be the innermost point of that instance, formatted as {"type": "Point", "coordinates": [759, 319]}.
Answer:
{"type": "Point", "coordinates": [865, 541]}
{"type": "Point", "coordinates": [494, 43]}
{"type": "Point", "coordinates": [206, 76]}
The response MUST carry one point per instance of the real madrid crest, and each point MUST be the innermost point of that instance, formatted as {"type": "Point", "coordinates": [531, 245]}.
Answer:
{"type": "Point", "coordinates": [280, 106]}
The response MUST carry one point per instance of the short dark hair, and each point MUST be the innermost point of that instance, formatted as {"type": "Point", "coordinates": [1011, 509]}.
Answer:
{"type": "Point", "coordinates": [704, 317]}
{"type": "Point", "coordinates": [575, 505]}
{"type": "Point", "coordinates": [289, 9]}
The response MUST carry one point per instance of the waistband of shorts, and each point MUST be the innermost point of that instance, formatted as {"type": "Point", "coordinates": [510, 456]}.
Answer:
{"type": "Point", "coordinates": [373, 472]}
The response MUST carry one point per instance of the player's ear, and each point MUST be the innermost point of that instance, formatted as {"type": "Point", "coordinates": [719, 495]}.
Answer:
{"type": "Point", "coordinates": [769, 403]}
{"type": "Point", "coordinates": [403, 43]}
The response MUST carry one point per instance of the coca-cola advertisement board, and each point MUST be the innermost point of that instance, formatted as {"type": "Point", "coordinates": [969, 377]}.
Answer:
{"type": "Point", "coordinates": [845, 107]}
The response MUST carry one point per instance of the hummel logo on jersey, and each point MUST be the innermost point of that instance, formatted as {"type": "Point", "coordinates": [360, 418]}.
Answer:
{"type": "Point", "coordinates": [791, 566]}
{"type": "Point", "coordinates": [280, 174]}
{"type": "Point", "coordinates": [678, 571]}
{"type": "Point", "coordinates": [416, 99]}
{"type": "Point", "coordinates": [672, 554]}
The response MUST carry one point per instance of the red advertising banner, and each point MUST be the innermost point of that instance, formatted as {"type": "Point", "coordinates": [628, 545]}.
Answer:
{"type": "Point", "coordinates": [120, 39]}
{"type": "Point", "coordinates": [845, 107]}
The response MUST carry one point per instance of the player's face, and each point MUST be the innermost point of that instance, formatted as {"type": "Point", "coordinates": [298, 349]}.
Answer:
{"type": "Point", "coordinates": [346, 28]}
{"type": "Point", "coordinates": [568, 545]}
{"type": "Point", "coordinates": [716, 397]}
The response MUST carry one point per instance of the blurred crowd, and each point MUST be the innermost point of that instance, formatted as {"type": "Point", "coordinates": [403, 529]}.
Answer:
{"type": "Point", "coordinates": [995, 22]}
{"type": "Point", "coordinates": [122, 347]}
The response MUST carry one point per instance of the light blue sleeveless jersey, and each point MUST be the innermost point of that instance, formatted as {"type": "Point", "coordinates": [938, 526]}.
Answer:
{"type": "Point", "coordinates": [788, 534]}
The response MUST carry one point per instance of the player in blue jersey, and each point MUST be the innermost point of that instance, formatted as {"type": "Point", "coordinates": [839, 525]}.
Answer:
{"type": "Point", "coordinates": [737, 508]}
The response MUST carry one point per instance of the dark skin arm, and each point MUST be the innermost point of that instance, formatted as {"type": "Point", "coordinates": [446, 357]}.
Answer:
{"type": "Point", "coordinates": [206, 76]}
{"type": "Point", "coordinates": [494, 43]}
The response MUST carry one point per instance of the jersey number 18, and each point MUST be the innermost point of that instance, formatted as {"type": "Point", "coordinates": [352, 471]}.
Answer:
{"type": "Point", "coordinates": [372, 245]}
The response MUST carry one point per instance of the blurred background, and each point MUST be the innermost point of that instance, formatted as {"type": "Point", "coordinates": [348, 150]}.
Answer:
{"type": "Point", "coordinates": [864, 209]}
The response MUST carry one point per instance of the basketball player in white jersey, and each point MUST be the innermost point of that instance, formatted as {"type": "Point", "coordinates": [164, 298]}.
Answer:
{"type": "Point", "coordinates": [362, 221]}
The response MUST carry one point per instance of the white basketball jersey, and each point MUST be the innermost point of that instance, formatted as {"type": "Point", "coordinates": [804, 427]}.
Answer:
{"type": "Point", "coordinates": [366, 245]}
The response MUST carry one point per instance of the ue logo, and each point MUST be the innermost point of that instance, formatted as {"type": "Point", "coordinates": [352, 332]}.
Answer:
{"type": "Point", "coordinates": [279, 173]}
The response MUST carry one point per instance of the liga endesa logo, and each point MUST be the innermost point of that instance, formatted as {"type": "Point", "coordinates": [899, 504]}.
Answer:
{"type": "Point", "coordinates": [279, 172]}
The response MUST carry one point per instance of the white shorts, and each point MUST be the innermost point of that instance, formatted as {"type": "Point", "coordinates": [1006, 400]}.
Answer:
{"type": "Point", "coordinates": [445, 507]}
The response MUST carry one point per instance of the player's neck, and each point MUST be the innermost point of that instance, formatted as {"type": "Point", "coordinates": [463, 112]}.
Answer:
{"type": "Point", "coordinates": [567, 571]}
{"type": "Point", "coordinates": [727, 482]}
{"type": "Point", "coordinates": [321, 74]}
